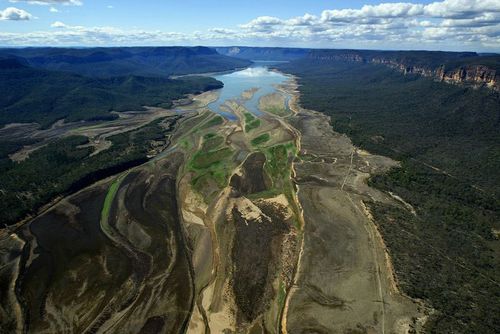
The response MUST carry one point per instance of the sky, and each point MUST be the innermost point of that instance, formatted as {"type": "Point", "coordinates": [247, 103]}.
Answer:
{"type": "Point", "coordinates": [455, 25]}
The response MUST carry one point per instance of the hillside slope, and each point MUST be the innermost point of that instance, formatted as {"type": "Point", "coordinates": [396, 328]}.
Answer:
{"type": "Point", "coordinates": [42, 96]}
{"type": "Point", "coordinates": [143, 61]}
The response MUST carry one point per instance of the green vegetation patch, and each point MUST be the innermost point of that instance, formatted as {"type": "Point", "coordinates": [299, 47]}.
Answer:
{"type": "Point", "coordinates": [113, 189]}
{"type": "Point", "coordinates": [279, 160]}
{"type": "Point", "coordinates": [249, 117]}
{"type": "Point", "coordinates": [252, 125]}
{"type": "Point", "coordinates": [279, 111]}
{"type": "Point", "coordinates": [204, 159]}
{"type": "Point", "coordinates": [216, 120]}
{"type": "Point", "coordinates": [211, 164]}
{"type": "Point", "coordinates": [263, 138]}
{"type": "Point", "coordinates": [211, 141]}
{"type": "Point", "coordinates": [279, 167]}
{"type": "Point", "coordinates": [251, 122]}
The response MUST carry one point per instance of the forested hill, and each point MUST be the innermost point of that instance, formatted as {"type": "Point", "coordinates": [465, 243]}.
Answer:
{"type": "Point", "coordinates": [37, 95]}
{"type": "Point", "coordinates": [120, 61]}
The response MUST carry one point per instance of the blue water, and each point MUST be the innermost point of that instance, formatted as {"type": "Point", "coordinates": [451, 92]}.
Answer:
{"type": "Point", "coordinates": [235, 83]}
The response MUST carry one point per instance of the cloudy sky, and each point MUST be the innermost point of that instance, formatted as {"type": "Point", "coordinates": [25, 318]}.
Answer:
{"type": "Point", "coordinates": [433, 25]}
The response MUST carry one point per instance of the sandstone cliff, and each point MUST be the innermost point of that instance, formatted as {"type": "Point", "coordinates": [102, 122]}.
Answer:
{"type": "Point", "coordinates": [452, 68]}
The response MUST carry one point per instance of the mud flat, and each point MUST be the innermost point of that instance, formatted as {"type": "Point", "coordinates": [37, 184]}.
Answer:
{"type": "Point", "coordinates": [97, 131]}
{"type": "Point", "coordinates": [238, 210]}
{"type": "Point", "coordinates": [111, 258]}
{"type": "Point", "coordinates": [254, 224]}
{"type": "Point", "coordinates": [274, 103]}
{"type": "Point", "coordinates": [344, 281]}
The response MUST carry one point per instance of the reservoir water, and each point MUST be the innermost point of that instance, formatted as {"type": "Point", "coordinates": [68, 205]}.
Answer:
{"type": "Point", "coordinates": [257, 76]}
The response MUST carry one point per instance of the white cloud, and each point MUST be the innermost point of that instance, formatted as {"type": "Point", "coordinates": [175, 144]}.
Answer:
{"type": "Point", "coordinates": [399, 24]}
{"type": "Point", "coordinates": [222, 31]}
{"type": "Point", "coordinates": [50, 2]}
{"type": "Point", "coordinates": [58, 24]}
{"type": "Point", "coordinates": [447, 24]}
{"type": "Point", "coordinates": [53, 10]}
{"type": "Point", "coordinates": [254, 72]}
{"type": "Point", "coordinates": [305, 20]}
{"type": "Point", "coordinates": [384, 10]}
{"type": "Point", "coordinates": [15, 14]}
{"type": "Point", "coordinates": [110, 6]}
{"type": "Point", "coordinates": [262, 23]}
{"type": "Point", "coordinates": [461, 8]}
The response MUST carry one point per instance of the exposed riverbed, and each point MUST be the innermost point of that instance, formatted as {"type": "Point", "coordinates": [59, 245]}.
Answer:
{"type": "Point", "coordinates": [251, 222]}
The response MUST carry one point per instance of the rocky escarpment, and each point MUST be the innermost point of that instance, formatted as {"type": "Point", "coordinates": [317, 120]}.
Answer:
{"type": "Point", "coordinates": [465, 68]}
{"type": "Point", "coordinates": [477, 75]}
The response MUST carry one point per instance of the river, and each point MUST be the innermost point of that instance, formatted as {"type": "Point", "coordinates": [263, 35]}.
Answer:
{"type": "Point", "coordinates": [235, 83]}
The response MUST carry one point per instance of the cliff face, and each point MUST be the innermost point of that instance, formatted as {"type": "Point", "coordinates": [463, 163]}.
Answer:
{"type": "Point", "coordinates": [476, 75]}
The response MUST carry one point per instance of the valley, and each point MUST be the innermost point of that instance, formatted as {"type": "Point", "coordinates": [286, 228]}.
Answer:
{"type": "Point", "coordinates": [235, 167]}
{"type": "Point", "coordinates": [252, 220]}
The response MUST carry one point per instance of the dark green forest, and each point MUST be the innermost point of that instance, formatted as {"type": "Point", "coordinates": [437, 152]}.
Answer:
{"type": "Point", "coordinates": [446, 138]}
{"type": "Point", "coordinates": [125, 61]}
{"type": "Point", "coordinates": [41, 96]}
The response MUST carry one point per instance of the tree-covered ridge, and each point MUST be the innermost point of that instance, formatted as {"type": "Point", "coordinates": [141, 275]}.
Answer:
{"type": "Point", "coordinates": [124, 61]}
{"type": "Point", "coordinates": [42, 96]}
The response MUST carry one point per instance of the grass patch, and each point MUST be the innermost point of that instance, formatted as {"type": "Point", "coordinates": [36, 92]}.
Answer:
{"type": "Point", "coordinates": [211, 164]}
{"type": "Point", "coordinates": [279, 111]}
{"type": "Point", "coordinates": [212, 169]}
{"type": "Point", "coordinates": [252, 125]}
{"type": "Point", "coordinates": [216, 120]}
{"type": "Point", "coordinates": [219, 174]}
{"type": "Point", "coordinates": [260, 139]}
{"type": "Point", "coordinates": [279, 167]}
{"type": "Point", "coordinates": [110, 196]}
{"type": "Point", "coordinates": [211, 142]}
{"type": "Point", "coordinates": [277, 163]}
{"type": "Point", "coordinates": [251, 122]}
{"type": "Point", "coordinates": [249, 117]}
{"type": "Point", "coordinates": [281, 298]}
{"type": "Point", "coordinates": [186, 144]}
{"type": "Point", "coordinates": [203, 160]}
{"type": "Point", "coordinates": [209, 135]}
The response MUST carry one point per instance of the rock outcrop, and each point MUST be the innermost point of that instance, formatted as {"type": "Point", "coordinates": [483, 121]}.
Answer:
{"type": "Point", "coordinates": [454, 68]}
